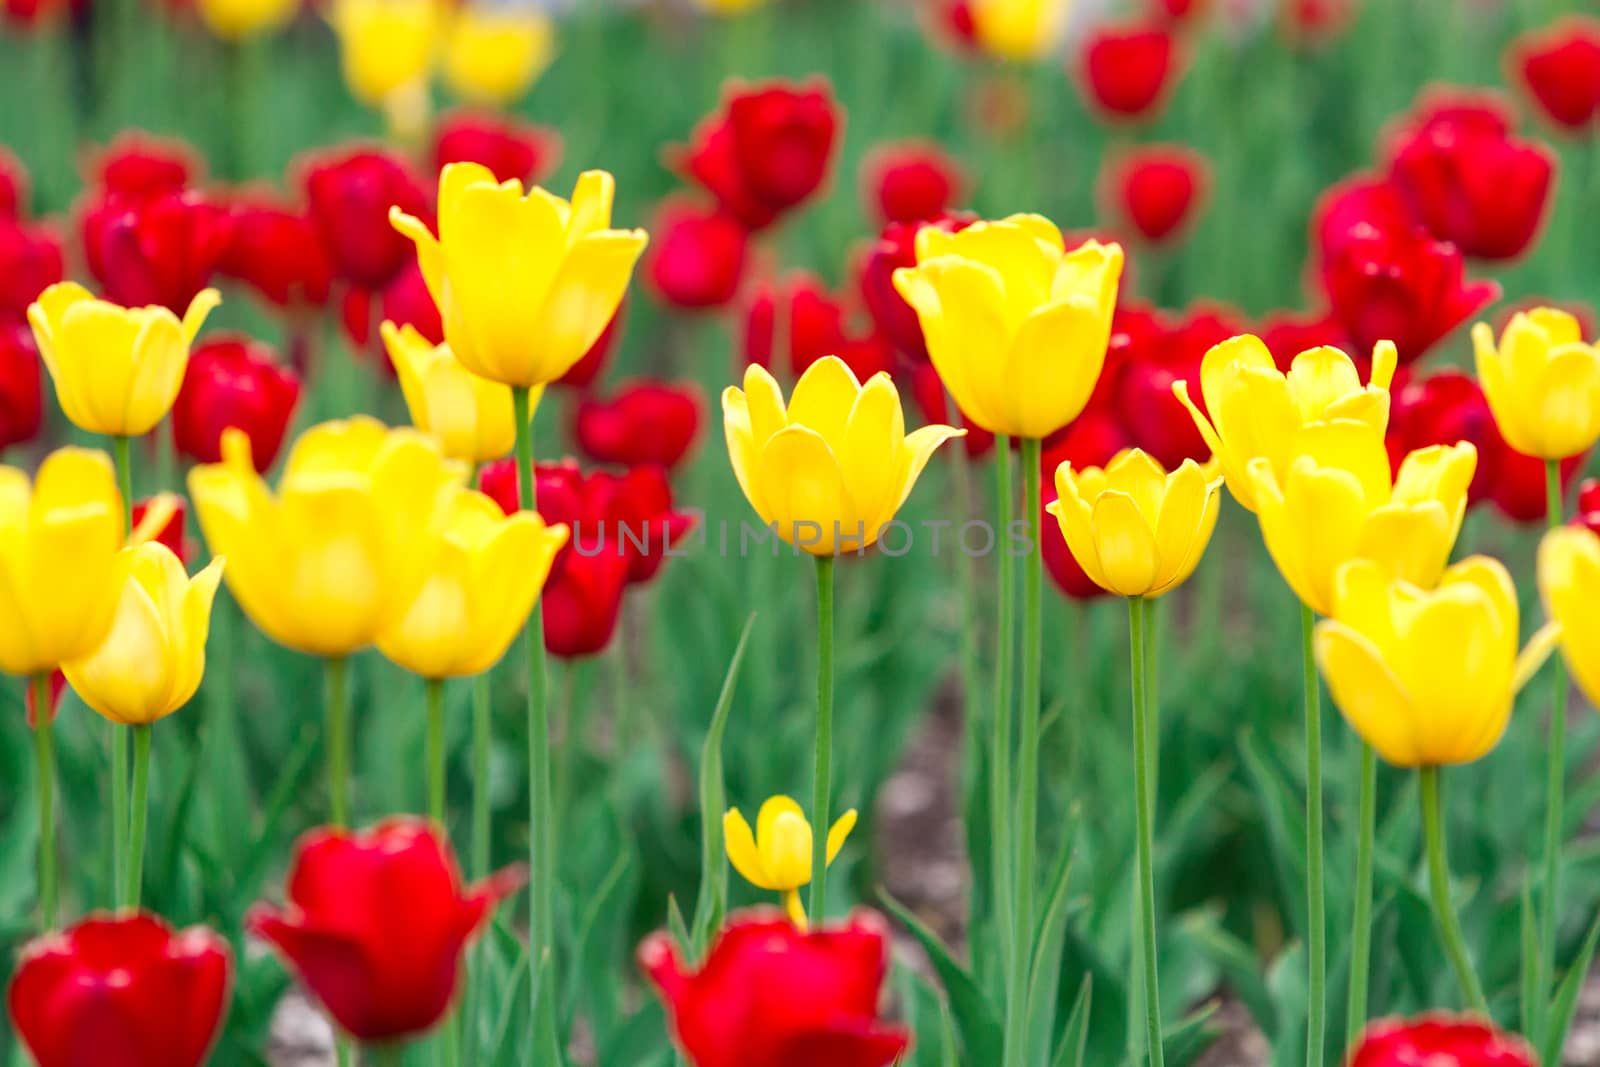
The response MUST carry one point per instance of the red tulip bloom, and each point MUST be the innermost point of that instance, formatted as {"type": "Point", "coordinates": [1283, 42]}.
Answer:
{"type": "Point", "coordinates": [643, 422]}
{"type": "Point", "coordinates": [1156, 188]}
{"type": "Point", "coordinates": [1354, 205]}
{"type": "Point", "coordinates": [13, 186]}
{"type": "Point", "coordinates": [20, 410]}
{"type": "Point", "coordinates": [511, 150]}
{"type": "Point", "coordinates": [1588, 505]}
{"type": "Point", "coordinates": [1519, 491]}
{"type": "Point", "coordinates": [30, 262]}
{"type": "Point", "coordinates": [896, 247]}
{"type": "Point", "coordinates": [1287, 334]}
{"type": "Point", "coordinates": [1560, 68]}
{"type": "Point", "coordinates": [169, 509]}
{"type": "Point", "coordinates": [1126, 71]}
{"type": "Point", "coordinates": [1440, 1041]}
{"type": "Point", "coordinates": [138, 166]}
{"type": "Point", "coordinates": [927, 390]}
{"type": "Point", "coordinates": [377, 922]}
{"type": "Point", "coordinates": [697, 257]}
{"type": "Point", "coordinates": [350, 194]}
{"type": "Point", "coordinates": [768, 150]}
{"type": "Point", "coordinates": [277, 252]}
{"type": "Point", "coordinates": [1444, 409]}
{"type": "Point", "coordinates": [233, 381]}
{"type": "Point", "coordinates": [1093, 439]}
{"type": "Point", "coordinates": [768, 995]}
{"type": "Point", "coordinates": [1145, 403]}
{"type": "Point", "coordinates": [121, 992]}
{"type": "Point", "coordinates": [913, 181]}
{"type": "Point", "coordinates": [582, 374]}
{"type": "Point", "coordinates": [581, 606]}
{"type": "Point", "coordinates": [161, 250]}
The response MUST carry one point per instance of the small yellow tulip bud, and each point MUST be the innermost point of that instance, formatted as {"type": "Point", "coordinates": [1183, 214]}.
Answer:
{"type": "Point", "coordinates": [385, 45]}
{"type": "Point", "coordinates": [1019, 29]}
{"type": "Point", "coordinates": [470, 416]}
{"type": "Point", "coordinates": [1542, 383]}
{"type": "Point", "coordinates": [1569, 582]}
{"type": "Point", "coordinates": [494, 55]}
{"type": "Point", "coordinates": [777, 856]}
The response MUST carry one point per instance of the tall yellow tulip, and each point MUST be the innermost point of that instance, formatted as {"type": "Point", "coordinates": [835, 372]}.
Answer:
{"type": "Point", "coordinates": [470, 416]}
{"type": "Point", "coordinates": [385, 46]}
{"type": "Point", "coordinates": [1569, 582]}
{"type": "Point", "coordinates": [1258, 411]}
{"type": "Point", "coordinates": [777, 856]}
{"type": "Point", "coordinates": [117, 370]}
{"type": "Point", "coordinates": [1016, 325]}
{"type": "Point", "coordinates": [150, 662]}
{"type": "Point", "coordinates": [1542, 383]}
{"type": "Point", "coordinates": [236, 20]}
{"type": "Point", "coordinates": [1427, 677]}
{"type": "Point", "coordinates": [345, 544]}
{"type": "Point", "coordinates": [1020, 29]}
{"type": "Point", "coordinates": [525, 284]}
{"type": "Point", "coordinates": [830, 470]}
{"type": "Point", "coordinates": [494, 54]}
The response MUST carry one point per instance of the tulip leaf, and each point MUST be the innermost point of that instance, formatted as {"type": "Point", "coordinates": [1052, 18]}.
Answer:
{"type": "Point", "coordinates": [1185, 1040]}
{"type": "Point", "coordinates": [1532, 1004]}
{"type": "Point", "coordinates": [546, 1041]}
{"type": "Point", "coordinates": [1565, 1006]}
{"type": "Point", "coordinates": [1045, 967]}
{"type": "Point", "coordinates": [1239, 966]}
{"type": "Point", "coordinates": [976, 1018]}
{"type": "Point", "coordinates": [512, 997]}
{"type": "Point", "coordinates": [1075, 1037]}
{"type": "Point", "coordinates": [675, 924]}
{"type": "Point", "coordinates": [713, 900]}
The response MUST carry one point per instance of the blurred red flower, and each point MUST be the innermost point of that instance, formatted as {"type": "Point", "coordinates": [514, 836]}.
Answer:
{"type": "Point", "coordinates": [1314, 22]}
{"type": "Point", "coordinates": [30, 262]}
{"type": "Point", "coordinates": [121, 992]}
{"type": "Point", "coordinates": [1156, 189]}
{"type": "Point", "coordinates": [696, 256]}
{"type": "Point", "coordinates": [642, 422]}
{"type": "Point", "coordinates": [1588, 505]}
{"type": "Point", "coordinates": [1357, 202]}
{"type": "Point", "coordinates": [817, 327]}
{"type": "Point", "coordinates": [405, 301]}
{"type": "Point", "coordinates": [1289, 333]}
{"type": "Point", "coordinates": [1560, 68]}
{"type": "Point", "coordinates": [277, 251]}
{"type": "Point", "coordinates": [138, 165]}
{"type": "Point", "coordinates": [20, 401]}
{"type": "Point", "coordinates": [171, 533]}
{"type": "Point", "coordinates": [1126, 71]}
{"type": "Point", "coordinates": [768, 995]}
{"type": "Point", "coordinates": [927, 390]}
{"type": "Point", "coordinates": [162, 249]}
{"type": "Point", "coordinates": [1090, 440]}
{"type": "Point", "coordinates": [233, 381]}
{"type": "Point", "coordinates": [1177, 10]}
{"type": "Point", "coordinates": [1146, 406]}
{"type": "Point", "coordinates": [1444, 1040]}
{"type": "Point", "coordinates": [583, 373]}
{"type": "Point", "coordinates": [14, 186]}
{"type": "Point", "coordinates": [58, 685]}
{"type": "Point", "coordinates": [910, 181]}
{"type": "Point", "coordinates": [512, 150]}
{"type": "Point", "coordinates": [350, 192]}
{"type": "Point", "coordinates": [894, 248]}
{"type": "Point", "coordinates": [376, 924]}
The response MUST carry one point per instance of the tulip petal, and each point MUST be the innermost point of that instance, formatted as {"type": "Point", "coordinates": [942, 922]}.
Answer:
{"type": "Point", "coordinates": [1367, 693]}
{"type": "Point", "coordinates": [800, 483]}
{"type": "Point", "coordinates": [1179, 522]}
{"type": "Point", "coordinates": [823, 399]}
{"type": "Point", "coordinates": [1053, 364]}
{"type": "Point", "coordinates": [583, 298]}
{"type": "Point", "coordinates": [872, 449]}
{"type": "Point", "coordinates": [840, 830]}
{"type": "Point", "coordinates": [1569, 582]}
{"type": "Point", "coordinates": [742, 850]}
{"type": "Point", "coordinates": [194, 317]}
{"type": "Point", "coordinates": [1124, 543]}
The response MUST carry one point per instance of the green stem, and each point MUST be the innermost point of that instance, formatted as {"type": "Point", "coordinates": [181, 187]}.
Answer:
{"type": "Point", "coordinates": [141, 796]}
{"type": "Point", "coordinates": [1316, 920]}
{"type": "Point", "coordinates": [1146, 833]}
{"type": "Point", "coordinates": [1455, 944]}
{"type": "Point", "coordinates": [436, 758]}
{"type": "Point", "coordinates": [482, 736]}
{"type": "Point", "coordinates": [1361, 924]}
{"type": "Point", "coordinates": [1000, 764]}
{"type": "Point", "coordinates": [1555, 787]}
{"type": "Point", "coordinates": [338, 742]}
{"type": "Point", "coordinates": [822, 780]}
{"type": "Point", "coordinates": [45, 769]}
{"type": "Point", "coordinates": [120, 452]}
{"type": "Point", "coordinates": [388, 1055]}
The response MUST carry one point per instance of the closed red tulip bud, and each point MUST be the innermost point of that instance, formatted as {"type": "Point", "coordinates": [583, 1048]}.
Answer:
{"type": "Point", "coordinates": [1560, 68]}
{"type": "Point", "coordinates": [583, 373]}
{"type": "Point", "coordinates": [696, 256]}
{"type": "Point", "coordinates": [20, 404]}
{"type": "Point", "coordinates": [30, 262]}
{"type": "Point", "coordinates": [1442, 409]}
{"type": "Point", "coordinates": [1353, 206]}
{"type": "Point", "coordinates": [1090, 440]}
{"type": "Point", "coordinates": [277, 252]}
{"type": "Point", "coordinates": [642, 422]}
{"type": "Point", "coordinates": [896, 248]}
{"type": "Point", "coordinates": [1288, 333]}
{"type": "Point", "coordinates": [1589, 505]}
{"type": "Point", "coordinates": [927, 390]}
{"type": "Point", "coordinates": [160, 250]}
{"type": "Point", "coordinates": [138, 166]}
{"type": "Point", "coordinates": [1145, 402]}
{"type": "Point", "coordinates": [512, 150]}
{"type": "Point", "coordinates": [376, 924]}
{"type": "Point", "coordinates": [121, 992]}
{"type": "Point", "coordinates": [13, 186]}
{"type": "Point", "coordinates": [1440, 1041]}
{"type": "Point", "coordinates": [233, 382]}
{"type": "Point", "coordinates": [350, 194]}
{"type": "Point", "coordinates": [580, 606]}
{"type": "Point", "coordinates": [865, 354]}
{"type": "Point", "coordinates": [814, 316]}
{"type": "Point", "coordinates": [767, 995]}
{"type": "Point", "coordinates": [767, 151]}
{"type": "Point", "coordinates": [1156, 188]}
{"type": "Point", "coordinates": [913, 181]}
{"type": "Point", "coordinates": [1127, 70]}
{"type": "Point", "coordinates": [169, 510]}
{"type": "Point", "coordinates": [58, 684]}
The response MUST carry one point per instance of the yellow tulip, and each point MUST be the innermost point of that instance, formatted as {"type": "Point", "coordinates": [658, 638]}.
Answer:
{"type": "Point", "coordinates": [150, 662]}
{"type": "Point", "coordinates": [117, 370]}
{"type": "Point", "coordinates": [347, 541]}
{"type": "Point", "coordinates": [1016, 326]}
{"type": "Point", "coordinates": [525, 284]}
{"type": "Point", "coordinates": [1337, 503]}
{"type": "Point", "coordinates": [470, 416]}
{"type": "Point", "coordinates": [484, 581]}
{"type": "Point", "coordinates": [777, 856]}
{"type": "Point", "coordinates": [1427, 677]}
{"type": "Point", "coordinates": [1257, 411]}
{"type": "Point", "coordinates": [729, 7]}
{"type": "Point", "coordinates": [494, 54]}
{"type": "Point", "coordinates": [1135, 529]}
{"type": "Point", "coordinates": [385, 46]}
{"type": "Point", "coordinates": [1542, 383]}
{"type": "Point", "coordinates": [830, 470]}
{"type": "Point", "coordinates": [1019, 29]}
{"type": "Point", "coordinates": [59, 539]}
{"type": "Point", "coordinates": [236, 20]}
{"type": "Point", "coordinates": [1569, 581]}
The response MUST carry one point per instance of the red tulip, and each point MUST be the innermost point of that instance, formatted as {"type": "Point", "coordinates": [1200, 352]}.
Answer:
{"type": "Point", "coordinates": [277, 252]}
{"type": "Point", "coordinates": [580, 606]}
{"type": "Point", "coordinates": [139, 166]}
{"type": "Point", "coordinates": [1178, 10]}
{"type": "Point", "coordinates": [172, 531]}
{"type": "Point", "coordinates": [233, 381]}
{"type": "Point", "coordinates": [1519, 491]}
{"type": "Point", "coordinates": [1356, 204]}
{"type": "Point", "coordinates": [1091, 440]}
{"type": "Point", "coordinates": [20, 404]}
{"type": "Point", "coordinates": [512, 150]}
{"type": "Point", "coordinates": [1443, 409]}
{"type": "Point", "coordinates": [583, 373]}
{"type": "Point", "coordinates": [866, 354]}
{"type": "Point", "coordinates": [1287, 334]}
{"type": "Point", "coordinates": [1312, 22]}
{"type": "Point", "coordinates": [814, 317]}
{"type": "Point", "coordinates": [121, 992]}
{"type": "Point", "coordinates": [350, 193]}
{"type": "Point", "coordinates": [58, 684]}
{"type": "Point", "coordinates": [1145, 403]}
{"type": "Point", "coordinates": [912, 181]}
{"type": "Point", "coordinates": [1588, 505]}
{"type": "Point", "coordinates": [1127, 70]}
{"type": "Point", "coordinates": [1155, 189]}
{"type": "Point", "coordinates": [30, 262]}
{"type": "Point", "coordinates": [376, 924]}
{"type": "Point", "coordinates": [927, 390]}
{"type": "Point", "coordinates": [1440, 1041]}
{"type": "Point", "coordinates": [13, 186]}
{"type": "Point", "coordinates": [1560, 68]}
{"type": "Point", "coordinates": [643, 422]}
{"type": "Point", "coordinates": [768, 995]}
{"type": "Point", "coordinates": [696, 259]}
{"type": "Point", "coordinates": [160, 250]}
{"type": "Point", "coordinates": [767, 151]}
{"type": "Point", "coordinates": [952, 21]}
{"type": "Point", "coordinates": [896, 248]}
{"type": "Point", "coordinates": [404, 302]}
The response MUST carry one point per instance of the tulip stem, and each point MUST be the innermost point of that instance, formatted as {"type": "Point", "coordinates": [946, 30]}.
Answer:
{"type": "Point", "coordinates": [45, 764]}
{"type": "Point", "coordinates": [1361, 924]}
{"type": "Point", "coordinates": [436, 754]}
{"type": "Point", "coordinates": [141, 796]}
{"type": "Point", "coordinates": [338, 697]}
{"type": "Point", "coordinates": [1024, 846]}
{"type": "Point", "coordinates": [119, 739]}
{"type": "Point", "coordinates": [822, 780]}
{"type": "Point", "coordinates": [1145, 841]}
{"type": "Point", "coordinates": [1317, 935]}
{"type": "Point", "coordinates": [482, 739]}
{"type": "Point", "coordinates": [1455, 944]}
{"type": "Point", "coordinates": [1000, 766]}
{"type": "Point", "coordinates": [1555, 788]}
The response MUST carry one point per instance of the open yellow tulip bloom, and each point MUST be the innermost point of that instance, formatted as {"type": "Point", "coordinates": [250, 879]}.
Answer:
{"type": "Point", "coordinates": [59, 539]}
{"type": "Point", "coordinates": [236, 20]}
{"type": "Point", "coordinates": [1427, 678]}
{"type": "Point", "coordinates": [1337, 503]}
{"type": "Point", "coordinates": [346, 543]}
{"type": "Point", "coordinates": [494, 54]}
{"type": "Point", "coordinates": [1258, 411]}
{"type": "Point", "coordinates": [117, 370]}
{"type": "Point", "coordinates": [1019, 29]}
{"type": "Point", "coordinates": [525, 284]}
{"type": "Point", "coordinates": [830, 470]}
{"type": "Point", "coordinates": [1017, 326]}
{"type": "Point", "coordinates": [1135, 529]}
{"type": "Point", "coordinates": [484, 581]}
{"type": "Point", "coordinates": [385, 45]}
{"type": "Point", "coordinates": [777, 856]}
{"type": "Point", "coordinates": [1542, 383]}
{"type": "Point", "coordinates": [1569, 582]}
{"type": "Point", "coordinates": [470, 416]}
{"type": "Point", "coordinates": [150, 662]}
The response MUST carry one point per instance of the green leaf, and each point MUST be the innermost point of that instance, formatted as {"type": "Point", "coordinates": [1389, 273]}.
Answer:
{"type": "Point", "coordinates": [976, 1018]}
{"type": "Point", "coordinates": [675, 923]}
{"type": "Point", "coordinates": [1238, 964]}
{"type": "Point", "coordinates": [1187, 1039]}
{"type": "Point", "coordinates": [713, 900]}
{"type": "Point", "coordinates": [1565, 1006]}
{"type": "Point", "coordinates": [1075, 1037]}
{"type": "Point", "coordinates": [1045, 967]}
{"type": "Point", "coordinates": [1532, 1005]}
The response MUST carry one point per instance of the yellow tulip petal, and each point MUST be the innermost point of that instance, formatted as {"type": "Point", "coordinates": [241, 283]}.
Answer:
{"type": "Point", "coordinates": [742, 851]}
{"type": "Point", "coordinates": [1179, 521]}
{"type": "Point", "coordinates": [1532, 657]}
{"type": "Point", "coordinates": [194, 317]}
{"type": "Point", "coordinates": [1124, 543]}
{"type": "Point", "coordinates": [786, 850]}
{"type": "Point", "coordinates": [871, 449]}
{"type": "Point", "coordinates": [1053, 365]}
{"type": "Point", "coordinates": [1320, 377]}
{"type": "Point", "coordinates": [584, 297]}
{"type": "Point", "coordinates": [803, 491]}
{"type": "Point", "coordinates": [1368, 695]}
{"type": "Point", "coordinates": [823, 399]}
{"type": "Point", "coordinates": [839, 831]}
